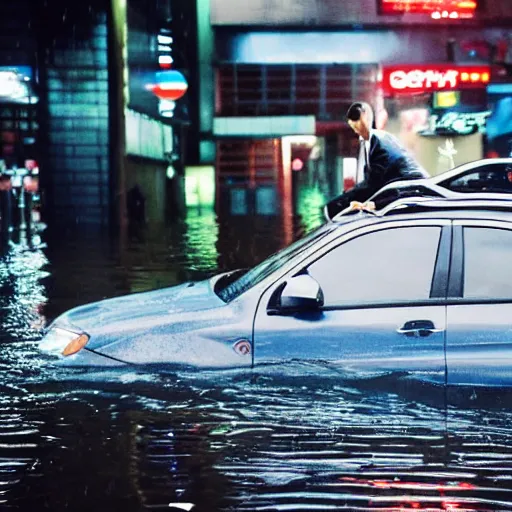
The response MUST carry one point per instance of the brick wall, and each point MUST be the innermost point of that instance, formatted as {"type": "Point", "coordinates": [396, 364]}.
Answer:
{"type": "Point", "coordinates": [76, 118]}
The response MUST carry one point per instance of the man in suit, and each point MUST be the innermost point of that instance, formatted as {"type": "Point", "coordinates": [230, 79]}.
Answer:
{"type": "Point", "coordinates": [382, 159]}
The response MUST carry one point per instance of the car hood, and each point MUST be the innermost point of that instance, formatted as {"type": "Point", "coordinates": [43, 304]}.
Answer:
{"type": "Point", "coordinates": [105, 320]}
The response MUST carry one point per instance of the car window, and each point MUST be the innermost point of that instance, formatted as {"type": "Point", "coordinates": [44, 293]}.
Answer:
{"type": "Point", "coordinates": [230, 290]}
{"type": "Point", "coordinates": [487, 263]}
{"type": "Point", "coordinates": [491, 178]}
{"type": "Point", "coordinates": [390, 265]}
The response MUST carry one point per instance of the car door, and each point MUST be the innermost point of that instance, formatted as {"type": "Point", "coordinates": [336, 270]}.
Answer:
{"type": "Point", "coordinates": [479, 318]}
{"type": "Point", "coordinates": [384, 304]}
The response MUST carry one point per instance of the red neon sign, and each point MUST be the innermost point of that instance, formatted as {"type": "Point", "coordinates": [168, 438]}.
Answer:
{"type": "Point", "coordinates": [429, 78]}
{"type": "Point", "coordinates": [452, 8]}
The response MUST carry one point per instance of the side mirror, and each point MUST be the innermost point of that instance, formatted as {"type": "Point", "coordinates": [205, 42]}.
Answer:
{"type": "Point", "coordinates": [301, 293]}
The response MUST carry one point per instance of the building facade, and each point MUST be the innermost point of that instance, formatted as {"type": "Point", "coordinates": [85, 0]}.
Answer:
{"type": "Point", "coordinates": [77, 105]}
{"type": "Point", "coordinates": [268, 84]}
{"type": "Point", "coordinates": [285, 72]}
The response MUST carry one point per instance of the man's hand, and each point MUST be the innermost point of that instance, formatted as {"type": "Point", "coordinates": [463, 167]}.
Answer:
{"type": "Point", "coordinates": [356, 205]}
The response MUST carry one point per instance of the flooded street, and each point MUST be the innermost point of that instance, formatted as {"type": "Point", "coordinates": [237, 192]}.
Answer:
{"type": "Point", "coordinates": [219, 130]}
{"type": "Point", "coordinates": [286, 438]}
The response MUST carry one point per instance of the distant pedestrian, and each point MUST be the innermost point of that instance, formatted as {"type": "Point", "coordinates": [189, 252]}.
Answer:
{"type": "Point", "coordinates": [382, 159]}
{"type": "Point", "coordinates": [136, 206]}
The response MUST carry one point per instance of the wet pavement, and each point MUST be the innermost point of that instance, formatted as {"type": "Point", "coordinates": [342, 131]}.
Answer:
{"type": "Point", "coordinates": [287, 438]}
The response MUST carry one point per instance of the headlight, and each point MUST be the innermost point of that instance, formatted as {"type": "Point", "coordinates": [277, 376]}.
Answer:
{"type": "Point", "coordinates": [63, 342]}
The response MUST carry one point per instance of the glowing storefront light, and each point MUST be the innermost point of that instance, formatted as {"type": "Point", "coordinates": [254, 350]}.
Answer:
{"type": "Point", "coordinates": [426, 78]}
{"type": "Point", "coordinates": [165, 42]}
{"type": "Point", "coordinates": [166, 108]}
{"type": "Point", "coordinates": [471, 4]}
{"type": "Point", "coordinates": [168, 85]}
{"type": "Point", "coordinates": [165, 60]}
{"type": "Point", "coordinates": [436, 8]}
{"type": "Point", "coordinates": [15, 87]}
{"type": "Point", "coordinates": [9, 84]}
{"type": "Point", "coordinates": [446, 99]}
{"type": "Point", "coordinates": [200, 186]}
{"type": "Point", "coordinates": [171, 172]}
{"type": "Point", "coordinates": [163, 39]}
{"type": "Point", "coordinates": [417, 79]}
{"type": "Point", "coordinates": [309, 204]}
{"type": "Point", "coordinates": [460, 123]}
{"type": "Point", "coordinates": [297, 164]}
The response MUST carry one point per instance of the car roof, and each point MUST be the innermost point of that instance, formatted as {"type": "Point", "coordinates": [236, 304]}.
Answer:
{"type": "Point", "coordinates": [484, 206]}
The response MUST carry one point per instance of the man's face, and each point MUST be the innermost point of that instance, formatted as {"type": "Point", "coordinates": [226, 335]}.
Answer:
{"type": "Point", "coordinates": [362, 126]}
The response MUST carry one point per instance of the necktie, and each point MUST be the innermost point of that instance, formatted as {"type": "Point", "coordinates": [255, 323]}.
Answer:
{"type": "Point", "coordinates": [362, 161]}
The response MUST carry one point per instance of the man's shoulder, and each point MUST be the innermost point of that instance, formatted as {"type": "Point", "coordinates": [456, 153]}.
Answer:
{"type": "Point", "coordinates": [388, 141]}
{"type": "Point", "coordinates": [383, 135]}
{"type": "Point", "coordinates": [397, 154]}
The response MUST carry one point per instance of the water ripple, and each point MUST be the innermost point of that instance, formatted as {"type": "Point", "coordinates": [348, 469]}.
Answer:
{"type": "Point", "coordinates": [282, 440]}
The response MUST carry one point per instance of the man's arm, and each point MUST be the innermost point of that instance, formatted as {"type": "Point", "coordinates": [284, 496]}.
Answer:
{"type": "Point", "coordinates": [361, 192]}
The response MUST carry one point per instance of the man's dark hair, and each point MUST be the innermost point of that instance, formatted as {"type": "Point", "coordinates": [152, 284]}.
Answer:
{"type": "Point", "coordinates": [356, 109]}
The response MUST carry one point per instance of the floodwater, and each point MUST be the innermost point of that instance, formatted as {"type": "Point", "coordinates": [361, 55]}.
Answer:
{"type": "Point", "coordinates": [283, 440]}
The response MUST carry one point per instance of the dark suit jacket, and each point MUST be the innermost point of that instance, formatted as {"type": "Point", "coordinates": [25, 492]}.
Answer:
{"type": "Point", "coordinates": [388, 161]}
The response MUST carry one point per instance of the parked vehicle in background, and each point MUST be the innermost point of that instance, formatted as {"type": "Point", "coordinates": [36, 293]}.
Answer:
{"type": "Point", "coordinates": [487, 175]}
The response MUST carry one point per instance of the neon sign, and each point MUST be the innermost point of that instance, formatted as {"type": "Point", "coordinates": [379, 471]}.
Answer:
{"type": "Point", "coordinates": [438, 9]}
{"type": "Point", "coordinates": [459, 123]}
{"type": "Point", "coordinates": [165, 42]}
{"type": "Point", "coordinates": [416, 79]}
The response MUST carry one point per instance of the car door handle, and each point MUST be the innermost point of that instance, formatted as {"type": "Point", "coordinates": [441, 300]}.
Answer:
{"type": "Point", "coordinates": [418, 328]}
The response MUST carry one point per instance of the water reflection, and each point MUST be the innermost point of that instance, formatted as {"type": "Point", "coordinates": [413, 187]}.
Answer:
{"type": "Point", "coordinates": [23, 295]}
{"type": "Point", "coordinates": [248, 444]}
{"type": "Point", "coordinates": [285, 439]}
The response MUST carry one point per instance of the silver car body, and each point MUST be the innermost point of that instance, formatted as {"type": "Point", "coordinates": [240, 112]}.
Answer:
{"type": "Point", "coordinates": [442, 337]}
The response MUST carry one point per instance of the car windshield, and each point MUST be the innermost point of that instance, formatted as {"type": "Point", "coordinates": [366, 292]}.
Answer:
{"type": "Point", "coordinates": [228, 290]}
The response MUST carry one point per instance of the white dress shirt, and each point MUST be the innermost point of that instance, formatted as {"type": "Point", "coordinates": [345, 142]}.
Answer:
{"type": "Point", "coordinates": [363, 159]}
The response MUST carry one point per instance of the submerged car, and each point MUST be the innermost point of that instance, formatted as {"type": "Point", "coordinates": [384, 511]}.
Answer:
{"type": "Point", "coordinates": [422, 288]}
{"type": "Point", "coordinates": [492, 175]}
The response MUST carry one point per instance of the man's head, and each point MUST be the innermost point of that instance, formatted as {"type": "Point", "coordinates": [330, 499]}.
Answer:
{"type": "Point", "coordinates": [360, 118]}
